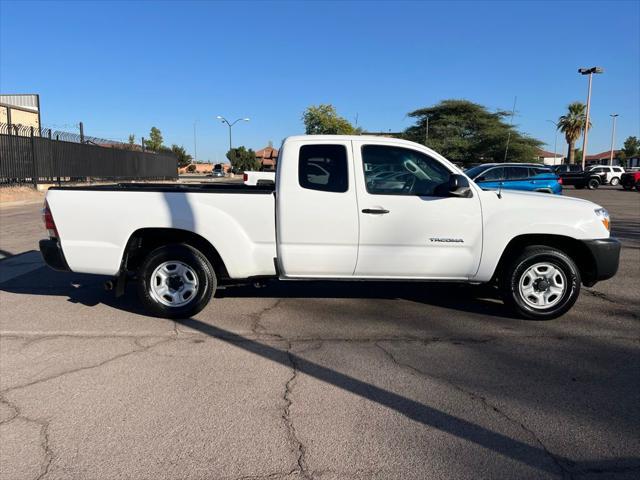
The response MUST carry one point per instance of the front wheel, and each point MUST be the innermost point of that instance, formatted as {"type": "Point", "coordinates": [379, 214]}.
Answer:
{"type": "Point", "coordinates": [542, 283]}
{"type": "Point", "coordinates": [176, 281]}
{"type": "Point", "coordinates": [614, 181]}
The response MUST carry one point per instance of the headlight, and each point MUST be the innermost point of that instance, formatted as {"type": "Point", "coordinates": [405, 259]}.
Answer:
{"type": "Point", "coordinates": [603, 215]}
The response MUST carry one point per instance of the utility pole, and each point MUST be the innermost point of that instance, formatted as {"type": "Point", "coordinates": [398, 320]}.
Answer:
{"type": "Point", "coordinates": [195, 143]}
{"type": "Point", "coordinates": [426, 135]}
{"type": "Point", "coordinates": [555, 143]}
{"type": "Point", "coordinates": [513, 111]}
{"type": "Point", "coordinates": [590, 72]}
{"type": "Point", "coordinates": [613, 136]}
{"type": "Point", "coordinates": [81, 126]}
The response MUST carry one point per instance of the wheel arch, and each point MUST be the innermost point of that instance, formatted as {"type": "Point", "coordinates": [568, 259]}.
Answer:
{"type": "Point", "coordinates": [572, 247]}
{"type": "Point", "coordinates": [144, 240]}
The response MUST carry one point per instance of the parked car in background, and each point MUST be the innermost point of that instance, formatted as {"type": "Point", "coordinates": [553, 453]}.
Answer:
{"type": "Point", "coordinates": [567, 168]}
{"type": "Point", "coordinates": [630, 180]}
{"type": "Point", "coordinates": [254, 178]}
{"type": "Point", "coordinates": [516, 176]}
{"type": "Point", "coordinates": [579, 178]}
{"type": "Point", "coordinates": [609, 175]}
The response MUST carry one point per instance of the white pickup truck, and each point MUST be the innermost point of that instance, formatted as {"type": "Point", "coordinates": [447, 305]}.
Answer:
{"type": "Point", "coordinates": [342, 208]}
{"type": "Point", "coordinates": [256, 178]}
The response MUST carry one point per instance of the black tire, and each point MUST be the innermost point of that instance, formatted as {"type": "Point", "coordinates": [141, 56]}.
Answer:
{"type": "Point", "coordinates": [516, 269]}
{"type": "Point", "coordinates": [593, 183]}
{"type": "Point", "coordinates": [192, 258]}
{"type": "Point", "coordinates": [614, 181]}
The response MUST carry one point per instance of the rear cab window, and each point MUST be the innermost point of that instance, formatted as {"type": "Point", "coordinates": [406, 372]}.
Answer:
{"type": "Point", "coordinates": [323, 168]}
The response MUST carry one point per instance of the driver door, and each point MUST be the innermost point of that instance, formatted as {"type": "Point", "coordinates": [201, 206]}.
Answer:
{"type": "Point", "coordinates": [406, 229]}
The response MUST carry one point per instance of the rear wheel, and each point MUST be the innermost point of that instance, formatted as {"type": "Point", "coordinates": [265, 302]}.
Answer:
{"type": "Point", "coordinates": [176, 281]}
{"type": "Point", "coordinates": [614, 181]}
{"type": "Point", "coordinates": [593, 183]}
{"type": "Point", "coordinates": [541, 283]}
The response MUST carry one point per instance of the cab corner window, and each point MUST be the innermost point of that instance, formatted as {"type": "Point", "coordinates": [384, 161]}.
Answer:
{"type": "Point", "coordinates": [323, 167]}
{"type": "Point", "coordinates": [402, 171]}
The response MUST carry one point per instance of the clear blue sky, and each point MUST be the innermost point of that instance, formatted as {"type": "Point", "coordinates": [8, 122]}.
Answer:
{"type": "Point", "coordinates": [123, 67]}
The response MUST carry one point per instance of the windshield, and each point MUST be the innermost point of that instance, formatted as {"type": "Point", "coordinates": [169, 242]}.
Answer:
{"type": "Point", "coordinates": [475, 171]}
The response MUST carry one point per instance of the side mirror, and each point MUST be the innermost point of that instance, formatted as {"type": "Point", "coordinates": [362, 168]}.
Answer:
{"type": "Point", "coordinates": [459, 186]}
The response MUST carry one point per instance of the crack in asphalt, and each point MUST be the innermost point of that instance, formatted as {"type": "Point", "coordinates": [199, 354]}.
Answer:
{"type": "Point", "coordinates": [288, 420]}
{"type": "Point", "coordinates": [88, 367]}
{"type": "Point", "coordinates": [256, 324]}
{"type": "Point", "coordinates": [44, 434]}
{"type": "Point", "coordinates": [487, 405]}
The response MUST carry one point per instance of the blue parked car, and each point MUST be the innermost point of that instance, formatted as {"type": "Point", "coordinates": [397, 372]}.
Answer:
{"type": "Point", "coordinates": [516, 176]}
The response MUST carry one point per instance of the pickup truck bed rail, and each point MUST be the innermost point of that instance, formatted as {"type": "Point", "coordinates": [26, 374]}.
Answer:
{"type": "Point", "coordinates": [176, 187]}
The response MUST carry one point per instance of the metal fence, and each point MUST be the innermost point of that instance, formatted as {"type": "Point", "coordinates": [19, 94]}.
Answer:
{"type": "Point", "coordinates": [32, 156]}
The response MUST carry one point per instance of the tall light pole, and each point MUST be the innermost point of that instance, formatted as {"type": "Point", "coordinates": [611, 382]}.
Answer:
{"type": "Point", "coordinates": [224, 120]}
{"type": "Point", "coordinates": [613, 136]}
{"type": "Point", "coordinates": [555, 143]}
{"type": "Point", "coordinates": [590, 72]}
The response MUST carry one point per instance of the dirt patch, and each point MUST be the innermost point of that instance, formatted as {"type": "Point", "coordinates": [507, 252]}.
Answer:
{"type": "Point", "coordinates": [11, 195]}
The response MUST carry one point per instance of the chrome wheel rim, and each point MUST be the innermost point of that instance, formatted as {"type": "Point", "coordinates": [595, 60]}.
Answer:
{"type": "Point", "coordinates": [542, 285]}
{"type": "Point", "coordinates": [174, 284]}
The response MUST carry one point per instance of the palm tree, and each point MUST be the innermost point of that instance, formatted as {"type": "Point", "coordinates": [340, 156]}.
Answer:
{"type": "Point", "coordinates": [572, 125]}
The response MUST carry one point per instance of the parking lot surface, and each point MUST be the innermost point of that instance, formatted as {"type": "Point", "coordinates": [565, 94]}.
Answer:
{"type": "Point", "coordinates": [316, 379]}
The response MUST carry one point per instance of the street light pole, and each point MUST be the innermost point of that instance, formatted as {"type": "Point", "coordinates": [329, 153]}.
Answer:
{"type": "Point", "coordinates": [613, 136]}
{"type": "Point", "coordinates": [590, 72]}
{"type": "Point", "coordinates": [231, 124]}
{"type": "Point", "coordinates": [555, 143]}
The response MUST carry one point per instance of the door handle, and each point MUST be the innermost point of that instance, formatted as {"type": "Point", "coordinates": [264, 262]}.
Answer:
{"type": "Point", "coordinates": [375, 211]}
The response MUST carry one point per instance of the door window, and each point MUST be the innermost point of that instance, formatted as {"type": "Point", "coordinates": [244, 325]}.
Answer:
{"type": "Point", "coordinates": [401, 171]}
{"type": "Point", "coordinates": [517, 173]}
{"type": "Point", "coordinates": [492, 175]}
{"type": "Point", "coordinates": [323, 167]}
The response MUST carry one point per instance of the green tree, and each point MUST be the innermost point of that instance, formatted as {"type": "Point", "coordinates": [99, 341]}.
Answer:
{"type": "Point", "coordinates": [324, 120]}
{"type": "Point", "coordinates": [572, 125]}
{"type": "Point", "coordinates": [132, 141]}
{"type": "Point", "coordinates": [630, 150]}
{"type": "Point", "coordinates": [154, 143]}
{"type": "Point", "coordinates": [467, 132]}
{"type": "Point", "coordinates": [242, 159]}
{"type": "Point", "coordinates": [631, 147]}
{"type": "Point", "coordinates": [183, 157]}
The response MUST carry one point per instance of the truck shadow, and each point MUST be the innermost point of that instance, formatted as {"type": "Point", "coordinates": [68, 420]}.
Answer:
{"type": "Point", "coordinates": [88, 290]}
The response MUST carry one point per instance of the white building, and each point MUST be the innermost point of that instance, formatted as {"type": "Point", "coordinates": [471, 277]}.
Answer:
{"type": "Point", "coordinates": [549, 158]}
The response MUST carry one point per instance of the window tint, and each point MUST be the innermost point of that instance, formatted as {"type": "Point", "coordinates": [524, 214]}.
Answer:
{"type": "Point", "coordinates": [517, 173]}
{"type": "Point", "coordinates": [323, 167]}
{"type": "Point", "coordinates": [493, 174]}
{"type": "Point", "coordinates": [401, 171]}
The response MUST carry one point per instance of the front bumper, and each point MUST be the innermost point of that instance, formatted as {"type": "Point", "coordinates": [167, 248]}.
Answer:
{"type": "Point", "coordinates": [606, 256]}
{"type": "Point", "coordinates": [52, 253]}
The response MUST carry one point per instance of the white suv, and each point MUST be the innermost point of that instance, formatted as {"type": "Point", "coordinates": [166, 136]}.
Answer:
{"type": "Point", "coordinates": [609, 175]}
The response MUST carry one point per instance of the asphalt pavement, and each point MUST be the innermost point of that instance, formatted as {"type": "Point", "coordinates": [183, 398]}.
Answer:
{"type": "Point", "coordinates": [322, 380]}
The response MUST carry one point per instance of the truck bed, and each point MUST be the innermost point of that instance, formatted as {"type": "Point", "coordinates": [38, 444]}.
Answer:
{"type": "Point", "coordinates": [96, 222]}
{"type": "Point", "coordinates": [175, 187]}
